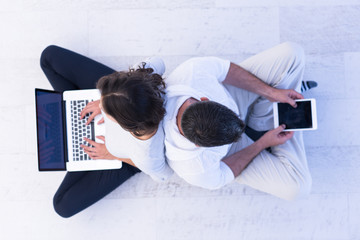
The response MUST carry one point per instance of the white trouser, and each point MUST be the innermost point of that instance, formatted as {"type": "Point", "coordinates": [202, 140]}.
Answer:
{"type": "Point", "coordinates": [283, 172]}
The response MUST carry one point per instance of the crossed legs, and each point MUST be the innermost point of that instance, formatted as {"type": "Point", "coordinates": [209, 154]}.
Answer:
{"type": "Point", "coordinates": [67, 70]}
{"type": "Point", "coordinates": [283, 172]}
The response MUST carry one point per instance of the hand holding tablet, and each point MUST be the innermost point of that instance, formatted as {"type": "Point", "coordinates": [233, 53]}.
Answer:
{"type": "Point", "coordinates": [301, 118]}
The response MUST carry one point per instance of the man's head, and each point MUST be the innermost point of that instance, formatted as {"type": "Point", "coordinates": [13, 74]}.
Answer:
{"type": "Point", "coordinates": [209, 124]}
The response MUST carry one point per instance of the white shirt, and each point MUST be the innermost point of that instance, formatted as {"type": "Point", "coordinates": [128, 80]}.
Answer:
{"type": "Point", "coordinates": [148, 155]}
{"type": "Point", "coordinates": [197, 77]}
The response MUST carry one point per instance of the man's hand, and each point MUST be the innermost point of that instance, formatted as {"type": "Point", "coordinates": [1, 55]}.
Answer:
{"type": "Point", "coordinates": [98, 151]}
{"type": "Point", "coordinates": [94, 108]}
{"type": "Point", "coordinates": [285, 96]}
{"type": "Point", "coordinates": [275, 137]}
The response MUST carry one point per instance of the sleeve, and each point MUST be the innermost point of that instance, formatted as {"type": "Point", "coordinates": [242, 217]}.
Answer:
{"type": "Point", "coordinates": [214, 178]}
{"type": "Point", "coordinates": [162, 173]}
{"type": "Point", "coordinates": [212, 66]}
{"type": "Point", "coordinates": [156, 168]}
{"type": "Point", "coordinates": [151, 159]}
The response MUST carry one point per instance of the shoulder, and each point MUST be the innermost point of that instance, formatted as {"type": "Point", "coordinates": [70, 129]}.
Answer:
{"type": "Point", "coordinates": [194, 66]}
{"type": "Point", "coordinates": [208, 63]}
{"type": "Point", "coordinates": [155, 144]}
{"type": "Point", "coordinates": [201, 62]}
{"type": "Point", "coordinates": [152, 148]}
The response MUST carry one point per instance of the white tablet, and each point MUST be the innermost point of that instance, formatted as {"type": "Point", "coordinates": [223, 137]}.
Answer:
{"type": "Point", "coordinates": [301, 118]}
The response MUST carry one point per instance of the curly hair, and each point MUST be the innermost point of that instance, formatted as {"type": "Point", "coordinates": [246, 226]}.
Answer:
{"type": "Point", "coordinates": [134, 99]}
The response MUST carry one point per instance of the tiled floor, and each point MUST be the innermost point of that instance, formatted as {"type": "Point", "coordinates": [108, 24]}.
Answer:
{"type": "Point", "coordinates": [119, 33]}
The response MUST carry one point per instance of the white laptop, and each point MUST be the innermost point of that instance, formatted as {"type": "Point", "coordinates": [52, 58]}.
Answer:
{"type": "Point", "coordinates": [60, 131]}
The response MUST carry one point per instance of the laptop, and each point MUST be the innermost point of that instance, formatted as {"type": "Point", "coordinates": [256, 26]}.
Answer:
{"type": "Point", "coordinates": [60, 132]}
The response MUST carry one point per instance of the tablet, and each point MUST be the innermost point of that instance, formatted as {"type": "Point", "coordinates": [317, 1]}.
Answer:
{"type": "Point", "coordinates": [301, 118]}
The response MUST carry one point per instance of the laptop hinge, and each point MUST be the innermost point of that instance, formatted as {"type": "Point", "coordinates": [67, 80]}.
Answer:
{"type": "Point", "coordinates": [65, 130]}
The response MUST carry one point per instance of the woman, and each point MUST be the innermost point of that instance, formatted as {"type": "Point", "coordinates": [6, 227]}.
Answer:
{"type": "Point", "coordinates": [132, 107]}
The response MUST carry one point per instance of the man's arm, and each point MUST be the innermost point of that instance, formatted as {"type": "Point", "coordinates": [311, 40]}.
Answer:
{"type": "Point", "coordinates": [239, 77]}
{"type": "Point", "coordinates": [238, 161]}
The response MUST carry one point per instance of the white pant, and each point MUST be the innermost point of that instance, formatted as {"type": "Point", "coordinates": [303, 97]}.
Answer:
{"type": "Point", "coordinates": [283, 172]}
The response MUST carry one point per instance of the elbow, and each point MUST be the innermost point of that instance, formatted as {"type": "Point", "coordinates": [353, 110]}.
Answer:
{"type": "Point", "coordinates": [159, 179]}
{"type": "Point", "coordinates": [161, 175]}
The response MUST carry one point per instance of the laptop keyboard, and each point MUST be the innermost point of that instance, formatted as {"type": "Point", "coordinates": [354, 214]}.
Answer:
{"type": "Point", "coordinates": [80, 130]}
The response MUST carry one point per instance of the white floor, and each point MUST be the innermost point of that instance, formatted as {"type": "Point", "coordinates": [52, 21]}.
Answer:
{"type": "Point", "coordinates": [119, 33]}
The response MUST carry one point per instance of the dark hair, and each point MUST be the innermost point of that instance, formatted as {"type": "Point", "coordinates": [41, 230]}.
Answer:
{"type": "Point", "coordinates": [134, 99]}
{"type": "Point", "coordinates": [210, 124]}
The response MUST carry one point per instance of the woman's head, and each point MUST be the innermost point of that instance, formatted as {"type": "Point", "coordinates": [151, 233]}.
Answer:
{"type": "Point", "coordinates": [134, 99]}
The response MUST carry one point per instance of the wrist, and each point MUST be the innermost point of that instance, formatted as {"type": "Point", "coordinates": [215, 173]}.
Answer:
{"type": "Point", "coordinates": [270, 93]}
{"type": "Point", "coordinates": [262, 144]}
{"type": "Point", "coordinates": [112, 157]}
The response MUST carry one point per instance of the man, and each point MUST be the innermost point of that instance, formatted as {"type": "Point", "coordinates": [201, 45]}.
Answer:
{"type": "Point", "coordinates": [210, 99]}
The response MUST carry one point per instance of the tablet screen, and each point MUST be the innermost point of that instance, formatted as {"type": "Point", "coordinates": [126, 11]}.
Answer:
{"type": "Point", "coordinates": [295, 118]}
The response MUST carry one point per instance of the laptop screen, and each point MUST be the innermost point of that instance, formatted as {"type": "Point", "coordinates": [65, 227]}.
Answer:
{"type": "Point", "coordinates": [50, 130]}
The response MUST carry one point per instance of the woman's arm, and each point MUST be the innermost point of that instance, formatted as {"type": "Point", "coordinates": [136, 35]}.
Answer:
{"type": "Point", "coordinates": [126, 160]}
{"type": "Point", "coordinates": [99, 151]}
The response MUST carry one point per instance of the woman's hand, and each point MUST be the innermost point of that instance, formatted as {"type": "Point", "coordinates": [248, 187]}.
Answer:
{"type": "Point", "coordinates": [94, 108]}
{"type": "Point", "coordinates": [98, 150]}
{"type": "Point", "coordinates": [285, 96]}
{"type": "Point", "coordinates": [275, 137]}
